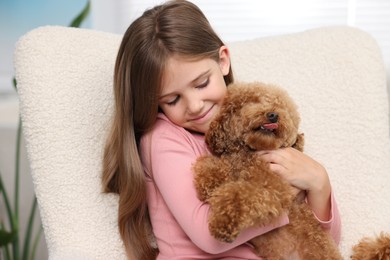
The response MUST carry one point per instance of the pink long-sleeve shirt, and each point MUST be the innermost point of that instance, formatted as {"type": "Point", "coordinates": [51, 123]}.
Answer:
{"type": "Point", "coordinates": [178, 217]}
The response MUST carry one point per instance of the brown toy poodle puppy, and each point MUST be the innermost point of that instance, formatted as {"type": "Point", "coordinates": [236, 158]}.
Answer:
{"type": "Point", "coordinates": [377, 248]}
{"type": "Point", "coordinates": [241, 189]}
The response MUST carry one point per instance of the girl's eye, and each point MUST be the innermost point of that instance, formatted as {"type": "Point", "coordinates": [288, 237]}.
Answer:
{"type": "Point", "coordinates": [204, 84]}
{"type": "Point", "coordinates": [173, 102]}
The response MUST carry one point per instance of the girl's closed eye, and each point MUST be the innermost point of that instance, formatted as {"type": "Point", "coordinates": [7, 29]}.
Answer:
{"type": "Point", "coordinates": [174, 101]}
{"type": "Point", "coordinates": [203, 84]}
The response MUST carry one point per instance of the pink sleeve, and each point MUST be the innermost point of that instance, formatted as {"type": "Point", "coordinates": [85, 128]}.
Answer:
{"type": "Point", "coordinates": [333, 225]}
{"type": "Point", "coordinates": [171, 158]}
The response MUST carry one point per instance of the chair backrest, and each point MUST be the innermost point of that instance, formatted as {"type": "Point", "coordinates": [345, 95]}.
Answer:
{"type": "Point", "coordinates": [336, 75]}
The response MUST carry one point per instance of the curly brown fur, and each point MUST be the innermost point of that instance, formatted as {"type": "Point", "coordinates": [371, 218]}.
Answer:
{"type": "Point", "coordinates": [377, 248]}
{"type": "Point", "coordinates": [241, 189]}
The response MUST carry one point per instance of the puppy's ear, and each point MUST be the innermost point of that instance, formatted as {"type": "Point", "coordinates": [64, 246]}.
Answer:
{"type": "Point", "coordinates": [219, 135]}
{"type": "Point", "coordinates": [216, 137]}
{"type": "Point", "coordinates": [299, 143]}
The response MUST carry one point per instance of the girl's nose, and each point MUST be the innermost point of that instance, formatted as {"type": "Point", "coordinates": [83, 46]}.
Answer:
{"type": "Point", "coordinates": [195, 106]}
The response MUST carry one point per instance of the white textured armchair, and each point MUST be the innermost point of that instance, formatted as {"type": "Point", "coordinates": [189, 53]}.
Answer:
{"type": "Point", "coordinates": [336, 75]}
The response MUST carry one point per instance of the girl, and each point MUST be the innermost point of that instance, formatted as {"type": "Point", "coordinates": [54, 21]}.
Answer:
{"type": "Point", "coordinates": [170, 78]}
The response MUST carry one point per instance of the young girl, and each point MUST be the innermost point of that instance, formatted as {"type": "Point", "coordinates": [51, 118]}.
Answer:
{"type": "Point", "coordinates": [171, 75]}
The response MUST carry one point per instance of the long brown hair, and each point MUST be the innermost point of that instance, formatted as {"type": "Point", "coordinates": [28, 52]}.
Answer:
{"type": "Point", "coordinates": [175, 27]}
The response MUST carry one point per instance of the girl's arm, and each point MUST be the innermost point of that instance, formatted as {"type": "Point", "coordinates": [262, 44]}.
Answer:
{"type": "Point", "coordinates": [333, 224]}
{"type": "Point", "coordinates": [170, 156]}
{"type": "Point", "coordinates": [304, 173]}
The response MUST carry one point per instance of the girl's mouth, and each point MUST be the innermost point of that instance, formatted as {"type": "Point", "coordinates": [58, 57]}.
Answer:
{"type": "Point", "coordinates": [202, 116]}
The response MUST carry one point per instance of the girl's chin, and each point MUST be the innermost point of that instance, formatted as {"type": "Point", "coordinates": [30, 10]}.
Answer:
{"type": "Point", "coordinates": [199, 129]}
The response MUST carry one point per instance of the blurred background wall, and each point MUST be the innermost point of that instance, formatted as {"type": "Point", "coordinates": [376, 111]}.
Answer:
{"type": "Point", "coordinates": [234, 20]}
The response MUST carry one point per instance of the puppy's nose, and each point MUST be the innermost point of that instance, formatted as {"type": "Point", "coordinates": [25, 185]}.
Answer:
{"type": "Point", "coordinates": [272, 117]}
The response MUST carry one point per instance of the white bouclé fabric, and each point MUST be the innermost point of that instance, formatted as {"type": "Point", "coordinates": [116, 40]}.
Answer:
{"type": "Point", "coordinates": [336, 76]}
{"type": "Point", "coordinates": [64, 80]}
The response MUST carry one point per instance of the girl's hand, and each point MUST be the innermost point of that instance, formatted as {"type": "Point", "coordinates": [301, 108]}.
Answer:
{"type": "Point", "coordinates": [304, 173]}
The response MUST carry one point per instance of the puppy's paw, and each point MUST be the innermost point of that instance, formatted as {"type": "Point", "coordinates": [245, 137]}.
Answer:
{"type": "Point", "coordinates": [223, 229]}
{"type": "Point", "coordinates": [226, 218]}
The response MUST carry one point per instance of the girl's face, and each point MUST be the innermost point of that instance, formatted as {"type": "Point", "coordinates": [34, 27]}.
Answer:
{"type": "Point", "coordinates": [193, 91]}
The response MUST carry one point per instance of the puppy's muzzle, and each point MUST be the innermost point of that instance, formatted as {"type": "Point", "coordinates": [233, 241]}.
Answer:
{"type": "Point", "coordinates": [273, 117]}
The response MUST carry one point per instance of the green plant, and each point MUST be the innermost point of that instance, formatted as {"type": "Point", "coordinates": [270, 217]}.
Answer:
{"type": "Point", "coordinates": [9, 239]}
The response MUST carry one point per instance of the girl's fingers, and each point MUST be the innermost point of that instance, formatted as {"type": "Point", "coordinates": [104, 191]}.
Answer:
{"type": "Point", "coordinates": [291, 165]}
{"type": "Point", "coordinates": [279, 157]}
{"type": "Point", "coordinates": [277, 168]}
